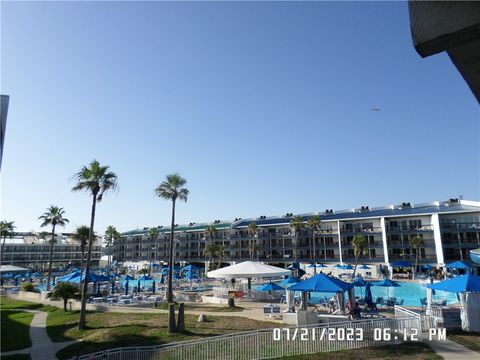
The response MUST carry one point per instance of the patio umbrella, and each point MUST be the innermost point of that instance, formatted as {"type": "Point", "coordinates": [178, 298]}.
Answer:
{"type": "Point", "coordinates": [364, 267]}
{"type": "Point", "coordinates": [128, 277]}
{"type": "Point", "coordinates": [126, 287]}
{"type": "Point", "coordinates": [270, 287]}
{"type": "Point", "coordinates": [459, 284]}
{"type": "Point", "coordinates": [458, 265]}
{"type": "Point", "coordinates": [144, 278]}
{"type": "Point", "coordinates": [321, 283]}
{"type": "Point", "coordinates": [338, 266]}
{"type": "Point", "coordinates": [138, 285]}
{"type": "Point", "coordinates": [190, 268]}
{"type": "Point", "coordinates": [289, 281]}
{"type": "Point", "coordinates": [113, 287]}
{"type": "Point", "coordinates": [153, 286]}
{"type": "Point", "coordinates": [368, 295]}
{"type": "Point", "coordinates": [359, 282]}
{"type": "Point", "coordinates": [190, 275]}
{"type": "Point", "coordinates": [386, 283]}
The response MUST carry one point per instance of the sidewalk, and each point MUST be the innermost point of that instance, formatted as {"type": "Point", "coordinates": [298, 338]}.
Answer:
{"type": "Point", "coordinates": [450, 350]}
{"type": "Point", "coordinates": [42, 347]}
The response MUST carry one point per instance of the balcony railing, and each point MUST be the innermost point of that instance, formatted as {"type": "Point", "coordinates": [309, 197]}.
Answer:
{"type": "Point", "coordinates": [409, 228]}
{"type": "Point", "coordinates": [470, 226]}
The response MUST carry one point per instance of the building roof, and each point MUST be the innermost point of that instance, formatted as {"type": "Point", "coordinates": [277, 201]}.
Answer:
{"type": "Point", "coordinates": [406, 209]}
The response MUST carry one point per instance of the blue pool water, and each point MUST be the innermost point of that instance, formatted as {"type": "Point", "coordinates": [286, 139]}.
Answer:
{"type": "Point", "coordinates": [411, 293]}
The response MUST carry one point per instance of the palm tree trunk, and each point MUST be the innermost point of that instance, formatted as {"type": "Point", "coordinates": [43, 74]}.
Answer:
{"type": "Point", "coordinates": [3, 246]}
{"type": "Point", "coordinates": [416, 263]}
{"type": "Point", "coordinates": [170, 259]}
{"type": "Point", "coordinates": [51, 258]}
{"type": "Point", "coordinates": [355, 268]}
{"type": "Point", "coordinates": [324, 248]}
{"type": "Point", "coordinates": [82, 321]}
{"type": "Point", "coordinates": [314, 254]}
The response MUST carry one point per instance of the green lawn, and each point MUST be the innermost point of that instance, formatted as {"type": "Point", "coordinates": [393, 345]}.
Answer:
{"type": "Point", "coordinates": [12, 304]}
{"type": "Point", "coordinates": [410, 351]}
{"type": "Point", "coordinates": [470, 340]}
{"type": "Point", "coordinates": [15, 329]}
{"type": "Point", "coordinates": [110, 330]}
{"type": "Point", "coordinates": [17, 357]}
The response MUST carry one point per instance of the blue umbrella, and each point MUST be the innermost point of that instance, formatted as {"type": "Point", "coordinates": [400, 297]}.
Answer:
{"type": "Point", "coordinates": [113, 287]}
{"type": "Point", "coordinates": [386, 283]}
{"type": "Point", "coordinates": [364, 267]}
{"type": "Point", "coordinates": [128, 277]}
{"type": "Point", "coordinates": [368, 295]}
{"type": "Point", "coordinates": [67, 277]}
{"type": "Point", "coordinates": [321, 283]}
{"type": "Point", "coordinates": [138, 285]}
{"type": "Point", "coordinates": [153, 286]}
{"type": "Point", "coordinates": [190, 275]}
{"type": "Point", "coordinates": [459, 284]}
{"type": "Point", "coordinates": [289, 281]}
{"type": "Point", "coordinates": [457, 265]}
{"type": "Point", "coordinates": [338, 266]}
{"type": "Point", "coordinates": [162, 279]}
{"type": "Point", "coordinates": [126, 287]}
{"type": "Point", "coordinates": [359, 282]}
{"type": "Point", "coordinates": [270, 287]}
{"type": "Point", "coordinates": [190, 268]}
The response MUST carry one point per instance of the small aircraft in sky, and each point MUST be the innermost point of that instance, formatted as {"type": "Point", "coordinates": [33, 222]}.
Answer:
{"type": "Point", "coordinates": [375, 109]}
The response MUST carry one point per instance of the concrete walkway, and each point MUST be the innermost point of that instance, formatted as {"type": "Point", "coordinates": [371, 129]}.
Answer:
{"type": "Point", "coordinates": [450, 350]}
{"type": "Point", "coordinates": [42, 347]}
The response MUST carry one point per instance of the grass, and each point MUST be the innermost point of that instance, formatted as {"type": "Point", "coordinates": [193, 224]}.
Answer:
{"type": "Point", "coordinates": [12, 304]}
{"type": "Point", "coordinates": [17, 357]}
{"type": "Point", "coordinates": [470, 340]}
{"type": "Point", "coordinates": [206, 308]}
{"type": "Point", "coordinates": [110, 330]}
{"type": "Point", "coordinates": [409, 350]}
{"type": "Point", "coordinates": [15, 329]}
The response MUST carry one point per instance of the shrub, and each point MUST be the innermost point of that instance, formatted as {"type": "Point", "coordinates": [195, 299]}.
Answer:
{"type": "Point", "coordinates": [28, 286]}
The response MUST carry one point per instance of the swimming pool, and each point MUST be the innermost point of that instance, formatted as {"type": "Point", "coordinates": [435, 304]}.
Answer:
{"type": "Point", "coordinates": [411, 293]}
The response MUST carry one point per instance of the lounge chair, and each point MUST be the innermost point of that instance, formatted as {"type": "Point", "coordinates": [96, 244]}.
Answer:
{"type": "Point", "coordinates": [379, 301]}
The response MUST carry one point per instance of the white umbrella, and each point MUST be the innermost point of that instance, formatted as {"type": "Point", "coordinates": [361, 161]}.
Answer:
{"type": "Point", "coordinates": [248, 269]}
{"type": "Point", "coordinates": [10, 268]}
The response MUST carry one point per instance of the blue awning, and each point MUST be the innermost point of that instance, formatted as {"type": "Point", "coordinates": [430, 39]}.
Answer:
{"type": "Point", "coordinates": [402, 263]}
{"type": "Point", "coordinates": [321, 283]}
{"type": "Point", "coordinates": [459, 284]}
{"type": "Point", "coordinates": [269, 287]}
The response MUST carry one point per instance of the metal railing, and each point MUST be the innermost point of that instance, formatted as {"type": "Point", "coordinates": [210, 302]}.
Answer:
{"type": "Point", "coordinates": [274, 343]}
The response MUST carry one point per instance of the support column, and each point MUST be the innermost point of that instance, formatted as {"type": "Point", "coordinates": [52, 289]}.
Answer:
{"type": "Point", "coordinates": [384, 241]}
{"type": "Point", "coordinates": [437, 236]}
{"type": "Point", "coordinates": [339, 241]}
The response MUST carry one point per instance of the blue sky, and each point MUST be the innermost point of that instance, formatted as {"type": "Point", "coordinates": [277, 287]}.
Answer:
{"type": "Point", "coordinates": [262, 107]}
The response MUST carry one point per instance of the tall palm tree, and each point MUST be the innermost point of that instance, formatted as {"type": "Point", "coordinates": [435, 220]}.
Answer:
{"type": "Point", "coordinates": [6, 230]}
{"type": "Point", "coordinates": [297, 224]}
{"type": "Point", "coordinates": [82, 233]}
{"type": "Point", "coordinates": [360, 248]}
{"type": "Point", "coordinates": [416, 242]}
{"type": "Point", "coordinates": [153, 233]}
{"type": "Point", "coordinates": [172, 189]}
{"type": "Point", "coordinates": [42, 235]}
{"type": "Point", "coordinates": [111, 234]}
{"type": "Point", "coordinates": [314, 225]}
{"type": "Point", "coordinates": [53, 216]}
{"type": "Point", "coordinates": [211, 250]}
{"type": "Point", "coordinates": [252, 245]}
{"type": "Point", "coordinates": [96, 180]}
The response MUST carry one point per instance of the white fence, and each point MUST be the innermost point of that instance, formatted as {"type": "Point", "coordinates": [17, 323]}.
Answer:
{"type": "Point", "coordinates": [273, 343]}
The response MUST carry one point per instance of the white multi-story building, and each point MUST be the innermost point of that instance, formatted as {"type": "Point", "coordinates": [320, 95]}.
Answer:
{"type": "Point", "coordinates": [28, 249]}
{"type": "Point", "coordinates": [449, 230]}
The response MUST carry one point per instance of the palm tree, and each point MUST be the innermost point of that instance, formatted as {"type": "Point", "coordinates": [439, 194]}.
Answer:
{"type": "Point", "coordinates": [6, 230]}
{"type": "Point", "coordinates": [66, 291]}
{"type": "Point", "coordinates": [96, 180]}
{"type": "Point", "coordinates": [82, 234]}
{"type": "Point", "coordinates": [221, 254]}
{"type": "Point", "coordinates": [360, 248]}
{"type": "Point", "coordinates": [53, 216]}
{"type": "Point", "coordinates": [211, 250]}
{"type": "Point", "coordinates": [153, 233]}
{"type": "Point", "coordinates": [252, 246]}
{"type": "Point", "coordinates": [111, 234]}
{"type": "Point", "coordinates": [42, 235]}
{"type": "Point", "coordinates": [172, 189]}
{"type": "Point", "coordinates": [416, 242]}
{"type": "Point", "coordinates": [297, 224]}
{"type": "Point", "coordinates": [314, 225]}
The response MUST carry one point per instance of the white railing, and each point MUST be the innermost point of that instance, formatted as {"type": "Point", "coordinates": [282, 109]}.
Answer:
{"type": "Point", "coordinates": [273, 343]}
{"type": "Point", "coordinates": [401, 311]}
